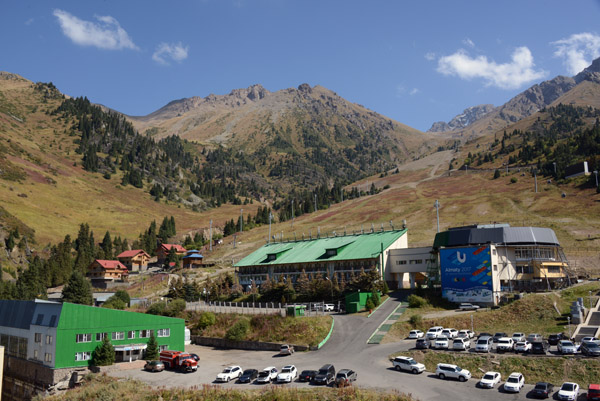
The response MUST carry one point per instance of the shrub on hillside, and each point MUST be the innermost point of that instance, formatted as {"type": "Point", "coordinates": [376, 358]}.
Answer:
{"type": "Point", "coordinates": [415, 320]}
{"type": "Point", "coordinates": [513, 180]}
{"type": "Point", "coordinates": [174, 308]}
{"type": "Point", "coordinates": [238, 331]}
{"type": "Point", "coordinates": [206, 319]}
{"type": "Point", "coordinates": [157, 308]}
{"type": "Point", "coordinates": [415, 301]}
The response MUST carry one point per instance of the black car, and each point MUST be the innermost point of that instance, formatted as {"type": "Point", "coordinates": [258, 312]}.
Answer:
{"type": "Point", "coordinates": [423, 343]}
{"type": "Point", "coordinates": [590, 348]}
{"type": "Point", "coordinates": [307, 375]}
{"type": "Point", "coordinates": [553, 339]}
{"type": "Point", "coordinates": [542, 390]}
{"type": "Point", "coordinates": [248, 376]}
{"type": "Point", "coordinates": [325, 375]}
{"type": "Point", "coordinates": [540, 347]}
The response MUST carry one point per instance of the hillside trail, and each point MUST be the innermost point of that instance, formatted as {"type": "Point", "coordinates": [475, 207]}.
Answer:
{"type": "Point", "coordinates": [434, 163]}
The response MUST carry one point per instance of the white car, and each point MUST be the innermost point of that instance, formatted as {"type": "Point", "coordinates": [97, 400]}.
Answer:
{"type": "Point", "coordinates": [414, 334]}
{"type": "Point", "coordinates": [466, 333]}
{"type": "Point", "coordinates": [408, 364]}
{"type": "Point", "coordinates": [523, 346]}
{"type": "Point", "coordinates": [446, 370]}
{"type": "Point", "coordinates": [267, 375]}
{"type": "Point", "coordinates": [229, 373]}
{"type": "Point", "coordinates": [514, 383]}
{"type": "Point", "coordinates": [489, 380]}
{"type": "Point", "coordinates": [468, 306]}
{"type": "Point", "coordinates": [568, 391]}
{"type": "Point", "coordinates": [519, 337]}
{"type": "Point", "coordinates": [592, 339]}
{"type": "Point", "coordinates": [288, 374]}
{"type": "Point", "coordinates": [450, 333]}
{"type": "Point", "coordinates": [329, 307]}
{"type": "Point", "coordinates": [566, 347]}
{"type": "Point", "coordinates": [434, 332]}
{"type": "Point", "coordinates": [441, 342]}
{"type": "Point", "coordinates": [461, 344]}
{"type": "Point", "coordinates": [504, 344]}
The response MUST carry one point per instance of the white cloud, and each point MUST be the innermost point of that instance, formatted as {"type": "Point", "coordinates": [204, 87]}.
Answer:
{"type": "Point", "coordinates": [104, 34]}
{"type": "Point", "coordinates": [173, 51]}
{"type": "Point", "coordinates": [578, 51]}
{"type": "Point", "coordinates": [430, 56]}
{"type": "Point", "coordinates": [468, 42]}
{"type": "Point", "coordinates": [512, 75]}
{"type": "Point", "coordinates": [414, 91]}
{"type": "Point", "coordinates": [29, 21]}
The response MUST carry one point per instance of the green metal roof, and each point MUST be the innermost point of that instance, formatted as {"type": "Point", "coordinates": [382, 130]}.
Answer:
{"type": "Point", "coordinates": [349, 247]}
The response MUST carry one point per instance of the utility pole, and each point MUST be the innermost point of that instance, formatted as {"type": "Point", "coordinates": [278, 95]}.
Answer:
{"type": "Point", "coordinates": [241, 220]}
{"type": "Point", "coordinates": [535, 178]}
{"type": "Point", "coordinates": [211, 237]}
{"type": "Point", "coordinates": [437, 205]}
{"type": "Point", "coordinates": [315, 202]}
{"type": "Point", "coordinates": [270, 217]}
{"type": "Point", "coordinates": [292, 213]}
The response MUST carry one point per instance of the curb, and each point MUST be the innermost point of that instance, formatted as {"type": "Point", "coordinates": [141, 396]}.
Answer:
{"type": "Point", "coordinates": [380, 305]}
{"type": "Point", "coordinates": [322, 343]}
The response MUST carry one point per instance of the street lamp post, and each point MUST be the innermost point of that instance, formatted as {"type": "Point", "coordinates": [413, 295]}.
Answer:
{"type": "Point", "coordinates": [596, 173]}
{"type": "Point", "coordinates": [437, 213]}
{"type": "Point", "coordinates": [590, 301]}
{"type": "Point", "coordinates": [569, 321]}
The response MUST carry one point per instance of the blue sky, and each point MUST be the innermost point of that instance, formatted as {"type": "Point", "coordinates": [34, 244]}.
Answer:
{"type": "Point", "coordinates": [417, 62]}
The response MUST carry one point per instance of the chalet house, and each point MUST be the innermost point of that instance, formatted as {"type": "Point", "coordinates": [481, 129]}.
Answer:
{"type": "Point", "coordinates": [104, 273]}
{"type": "Point", "coordinates": [136, 260]}
{"type": "Point", "coordinates": [192, 259]}
{"type": "Point", "coordinates": [162, 252]}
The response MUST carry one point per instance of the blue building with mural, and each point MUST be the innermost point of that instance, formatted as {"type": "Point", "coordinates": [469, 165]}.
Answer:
{"type": "Point", "coordinates": [466, 274]}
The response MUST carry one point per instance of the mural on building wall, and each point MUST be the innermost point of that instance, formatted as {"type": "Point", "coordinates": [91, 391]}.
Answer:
{"type": "Point", "coordinates": [467, 274]}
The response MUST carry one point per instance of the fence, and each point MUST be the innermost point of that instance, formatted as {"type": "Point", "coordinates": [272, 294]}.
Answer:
{"type": "Point", "coordinates": [256, 308]}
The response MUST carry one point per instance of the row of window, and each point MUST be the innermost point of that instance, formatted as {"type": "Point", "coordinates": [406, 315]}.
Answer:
{"type": "Point", "coordinates": [47, 356]}
{"type": "Point", "coordinates": [14, 346]}
{"type": "Point", "coordinates": [410, 262]}
{"type": "Point", "coordinates": [120, 335]}
{"type": "Point", "coordinates": [38, 338]}
{"type": "Point", "coordinates": [535, 253]}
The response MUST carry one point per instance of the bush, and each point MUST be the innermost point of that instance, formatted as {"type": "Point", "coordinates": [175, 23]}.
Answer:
{"type": "Point", "coordinates": [415, 320]}
{"type": "Point", "coordinates": [513, 180]}
{"type": "Point", "coordinates": [123, 296]}
{"type": "Point", "coordinates": [376, 299]}
{"type": "Point", "coordinates": [156, 308]}
{"type": "Point", "coordinates": [175, 307]}
{"type": "Point", "coordinates": [238, 331]}
{"type": "Point", "coordinates": [496, 174]}
{"type": "Point", "coordinates": [104, 354]}
{"type": "Point", "coordinates": [415, 301]}
{"type": "Point", "coordinates": [369, 305]}
{"type": "Point", "coordinates": [114, 303]}
{"type": "Point", "coordinates": [206, 319]}
{"type": "Point", "coordinates": [152, 348]}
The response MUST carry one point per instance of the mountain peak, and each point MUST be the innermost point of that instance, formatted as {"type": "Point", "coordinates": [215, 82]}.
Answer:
{"type": "Point", "coordinates": [468, 117]}
{"type": "Point", "coordinates": [591, 73]}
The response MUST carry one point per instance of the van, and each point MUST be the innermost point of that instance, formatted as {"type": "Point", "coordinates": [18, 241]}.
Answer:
{"type": "Point", "coordinates": [484, 344]}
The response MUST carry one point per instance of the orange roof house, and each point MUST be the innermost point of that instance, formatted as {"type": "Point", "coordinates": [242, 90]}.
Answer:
{"type": "Point", "coordinates": [135, 260]}
{"type": "Point", "coordinates": [163, 251]}
{"type": "Point", "coordinates": [102, 272]}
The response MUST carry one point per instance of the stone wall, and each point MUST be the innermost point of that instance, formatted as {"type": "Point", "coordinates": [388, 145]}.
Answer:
{"type": "Point", "coordinates": [247, 345]}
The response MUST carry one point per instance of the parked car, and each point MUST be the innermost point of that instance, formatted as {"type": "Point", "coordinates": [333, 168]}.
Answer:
{"type": "Point", "coordinates": [535, 338]}
{"type": "Point", "coordinates": [523, 346]}
{"type": "Point", "coordinates": [408, 364]}
{"type": "Point", "coordinates": [518, 337]}
{"type": "Point", "coordinates": [325, 375]}
{"type": "Point", "coordinates": [248, 376]}
{"type": "Point", "coordinates": [489, 380]}
{"type": "Point", "coordinates": [446, 370]}
{"type": "Point", "coordinates": [553, 339]}
{"type": "Point", "coordinates": [468, 306]}
{"type": "Point", "coordinates": [345, 377]}
{"type": "Point", "coordinates": [288, 374]}
{"type": "Point", "coordinates": [441, 342]}
{"type": "Point", "coordinates": [568, 391]}
{"type": "Point", "coordinates": [484, 334]}
{"type": "Point", "coordinates": [307, 375]}
{"type": "Point", "coordinates": [593, 393]}
{"type": "Point", "coordinates": [434, 332]}
{"type": "Point", "coordinates": [450, 333]}
{"type": "Point", "coordinates": [414, 334]}
{"type": "Point", "coordinates": [466, 333]}
{"type": "Point", "coordinates": [514, 383]}
{"type": "Point", "coordinates": [286, 349]}
{"type": "Point", "coordinates": [539, 347]}
{"type": "Point", "coordinates": [566, 347]}
{"type": "Point", "coordinates": [329, 307]}
{"type": "Point", "coordinates": [423, 343]}
{"type": "Point", "coordinates": [504, 344]}
{"type": "Point", "coordinates": [267, 375]}
{"type": "Point", "coordinates": [461, 344]}
{"type": "Point", "coordinates": [484, 344]}
{"type": "Point", "coordinates": [154, 366]}
{"type": "Point", "coordinates": [229, 373]}
{"type": "Point", "coordinates": [594, 339]}
{"type": "Point", "coordinates": [195, 357]}
{"type": "Point", "coordinates": [542, 390]}
{"type": "Point", "coordinates": [590, 348]}
{"type": "Point", "coordinates": [498, 336]}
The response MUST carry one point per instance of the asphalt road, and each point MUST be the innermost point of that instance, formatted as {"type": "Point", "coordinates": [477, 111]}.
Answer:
{"type": "Point", "coordinates": [347, 348]}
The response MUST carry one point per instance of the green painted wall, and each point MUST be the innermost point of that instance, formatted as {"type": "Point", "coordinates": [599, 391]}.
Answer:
{"type": "Point", "coordinates": [81, 319]}
{"type": "Point", "coordinates": [360, 297]}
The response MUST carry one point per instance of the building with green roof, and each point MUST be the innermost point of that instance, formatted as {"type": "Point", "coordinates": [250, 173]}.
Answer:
{"type": "Point", "coordinates": [329, 256]}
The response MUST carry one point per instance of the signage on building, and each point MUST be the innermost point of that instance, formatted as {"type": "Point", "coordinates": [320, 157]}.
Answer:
{"type": "Point", "coordinates": [467, 274]}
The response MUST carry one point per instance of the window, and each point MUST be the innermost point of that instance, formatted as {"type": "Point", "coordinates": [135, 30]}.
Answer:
{"type": "Point", "coordinates": [131, 334]}
{"type": "Point", "coordinates": [48, 339]}
{"type": "Point", "coordinates": [84, 338]}
{"type": "Point", "coordinates": [40, 319]}
{"type": "Point", "coordinates": [145, 333]}
{"type": "Point", "coordinates": [163, 332]}
{"type": "Point", "coordinates": [553, 269]}
{"type": "Point", "coordinates": [83, 356]}
{"type": "Point", "coordinates": [38, 337]}
{"type": "Point", "coordinates": [118, 335]}
{"type": "Point", "coordinates": [163, 347]}
{"type": "Point", "coordinates": [401, 262]}
{"type": "Point", "coordinates": [48, 357]}
{"type": "Point", "coordinates": [52, 320]}
{"type": "Point", "coordinates": [524, 269]}
{"type": "Point", "coordinates": [495, 268]}
{"type": "Point", "coordinates": [100, 336]}
{"type": "Point", "coordinates": [35, 354]}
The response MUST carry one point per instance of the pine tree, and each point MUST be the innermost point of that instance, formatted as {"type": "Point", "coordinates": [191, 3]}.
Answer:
{"type": "Point", "coordinates": [152, 348]}
{"type": "Point", "coordinates": [78, 290]}
{"type": "Point", "coordinates": [106, 246]}
{"type": "Point", "coordinates": [104, 354]}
